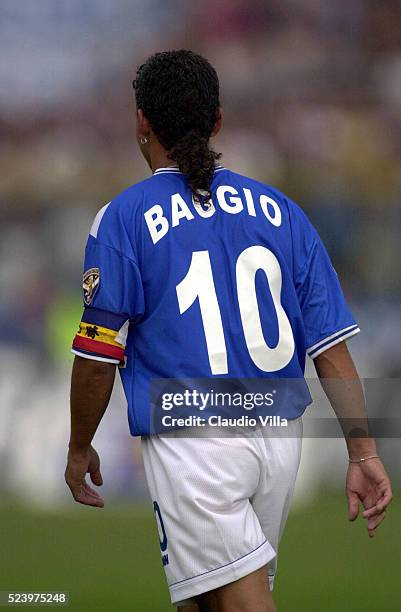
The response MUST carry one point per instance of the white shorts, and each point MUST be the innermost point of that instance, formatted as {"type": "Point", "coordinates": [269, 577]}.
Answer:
{"type": "Point", "coordinates": [221, 504]}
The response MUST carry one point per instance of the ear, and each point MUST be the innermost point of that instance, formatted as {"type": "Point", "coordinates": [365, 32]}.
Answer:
{"type": "Point", "coordinates": [219, 122]}
{"type": "Point", "coordinates": [142, 124]}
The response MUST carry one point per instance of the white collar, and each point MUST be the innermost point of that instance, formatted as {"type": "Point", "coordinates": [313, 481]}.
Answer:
{"type": "Point", "coordinates": [167, 169]}
{"type": "Point", "coordinates": [176, 170]}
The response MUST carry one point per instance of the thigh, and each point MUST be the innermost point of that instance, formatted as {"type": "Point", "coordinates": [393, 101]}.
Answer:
{"type": "Point", "coordinates": [249, 594]}
{"type": "Point", "coordinates": [209, 532]}
{"type": "Point", "coordinates": [273, 498]}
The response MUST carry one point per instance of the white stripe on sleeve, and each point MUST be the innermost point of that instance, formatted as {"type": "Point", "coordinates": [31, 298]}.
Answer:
{"type": "Point", "coordinates": [336, 339]}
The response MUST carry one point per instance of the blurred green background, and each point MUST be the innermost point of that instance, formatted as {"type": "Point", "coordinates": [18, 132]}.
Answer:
{"type": "Point", "coordinates": [110, 559]}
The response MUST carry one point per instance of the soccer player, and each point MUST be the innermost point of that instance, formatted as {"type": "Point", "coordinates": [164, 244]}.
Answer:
{"type": "Point", "coordinates": [199, 272]}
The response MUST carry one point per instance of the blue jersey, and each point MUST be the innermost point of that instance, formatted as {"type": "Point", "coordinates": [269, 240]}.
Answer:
{"type": "Point", "coordinates": [239, 286]}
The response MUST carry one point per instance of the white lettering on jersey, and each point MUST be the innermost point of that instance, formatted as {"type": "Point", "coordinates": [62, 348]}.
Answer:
{"type": "Point", "coordinates": [250, 204]}
{"type": "Point", "coordinates": [154, 218]}
{"type": "Point", "coordinates": [158, 224]}
{"type": "Point", "coordinates": [179, 210]}
{"type": "Point", "coordinates": [276, 219]}
{"type": "Point", "coordinates": [236, 202]}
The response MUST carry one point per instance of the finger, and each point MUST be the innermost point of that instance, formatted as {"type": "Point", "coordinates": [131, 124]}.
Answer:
{"type": "Point", "coordinates": [91, 492]}
{"type": "Point", "coordinates": [353, 505]}
{"type": "Point", "coordinates": [96, 477]}
{"type": "Point", "coordinates": [385, 499]}
{"type": "Point", "coordinates": [83, 494]}
{"type": "Point", "coordinates": [380, 506]}
{"type": "Point", "coordinates": [370, 500]}
{"type": "Point", "coordinates": [373, 511]}
{"type": "Point", "coordinates": [374, 522]}
{"type": "Point", "coordinates": [85, 497]}
{"type": "Point", "coordinates": [88, 500]}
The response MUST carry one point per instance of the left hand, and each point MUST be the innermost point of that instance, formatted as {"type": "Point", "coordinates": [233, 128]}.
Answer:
{"type": "Point", "coordinates": [368, 483]}
{"type": "Point", "coordinates": [80, 462]}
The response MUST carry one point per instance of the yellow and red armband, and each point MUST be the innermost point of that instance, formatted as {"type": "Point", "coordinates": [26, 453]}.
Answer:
{"type": "Point", "coordinates": [101, 336]}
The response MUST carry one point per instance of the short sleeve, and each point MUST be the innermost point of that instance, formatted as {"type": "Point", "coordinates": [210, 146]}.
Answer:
{"type": "Point", "coordinates": [326, 316]}
{"type": "Point", "coordinates": [113, 299]}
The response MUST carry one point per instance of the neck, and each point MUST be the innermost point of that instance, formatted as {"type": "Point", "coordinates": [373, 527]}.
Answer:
{"type": "Point", "coordinates": [159, 157]}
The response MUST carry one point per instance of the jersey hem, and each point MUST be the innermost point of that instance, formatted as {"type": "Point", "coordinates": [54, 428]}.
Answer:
{"type": "Point", "coordinates": [213, 579]}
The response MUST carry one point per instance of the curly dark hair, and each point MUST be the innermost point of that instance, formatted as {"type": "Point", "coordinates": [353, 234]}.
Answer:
{"type": "Point", "coordinates": [178, 92]}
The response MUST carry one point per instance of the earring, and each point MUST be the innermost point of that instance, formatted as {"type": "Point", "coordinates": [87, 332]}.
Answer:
{"type": "Point", "coordinates": [143, 140]}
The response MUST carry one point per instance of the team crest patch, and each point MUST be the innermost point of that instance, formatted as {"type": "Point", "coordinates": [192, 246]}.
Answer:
{"type": "Point", "coordinates": [91, 281]}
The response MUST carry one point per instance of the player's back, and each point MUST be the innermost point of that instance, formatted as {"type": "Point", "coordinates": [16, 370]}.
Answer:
{"type": "Point", "coordinates": [219, 288]}
{"type": "Point", "coordinates": [212, 275]}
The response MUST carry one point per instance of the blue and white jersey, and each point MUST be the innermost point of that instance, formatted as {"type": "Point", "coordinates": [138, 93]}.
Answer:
{"type": "Point", "coordinates": [238, 287]}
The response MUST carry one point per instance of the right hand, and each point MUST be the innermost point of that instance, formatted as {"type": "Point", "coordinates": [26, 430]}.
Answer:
{"type": "Point", "coordinates": [80, 462]}
{"type": "Point", "coordinates": [367, 482]}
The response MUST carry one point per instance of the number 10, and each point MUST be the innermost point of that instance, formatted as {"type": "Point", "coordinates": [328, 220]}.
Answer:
{"type": "Point", "coordinates": [199, 283]}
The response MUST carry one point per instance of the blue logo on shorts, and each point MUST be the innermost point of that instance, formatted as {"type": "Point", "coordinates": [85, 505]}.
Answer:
{"type": "Point", "coordinates": [162, 533]}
